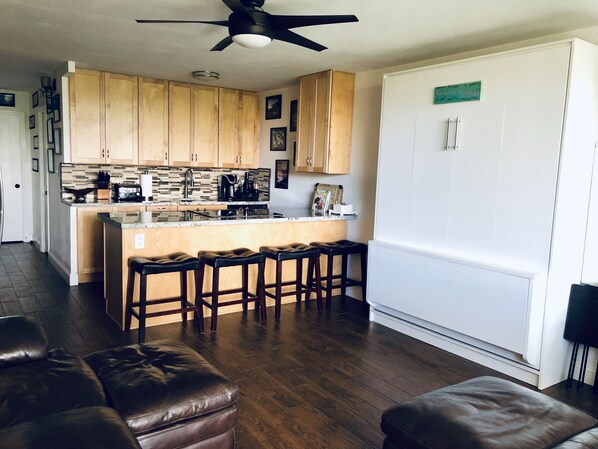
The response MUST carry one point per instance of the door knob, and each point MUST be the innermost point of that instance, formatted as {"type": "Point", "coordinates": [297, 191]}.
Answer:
{"type": "Point", "coordinates": [17, 186]}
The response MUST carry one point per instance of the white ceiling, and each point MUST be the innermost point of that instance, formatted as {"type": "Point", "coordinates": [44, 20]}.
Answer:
{"type": "Point", "coordinates": [38, 36]}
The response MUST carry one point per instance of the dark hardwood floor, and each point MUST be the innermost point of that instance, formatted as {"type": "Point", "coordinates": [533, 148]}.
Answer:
{"type": "Point", "coordinates": [313, 380]}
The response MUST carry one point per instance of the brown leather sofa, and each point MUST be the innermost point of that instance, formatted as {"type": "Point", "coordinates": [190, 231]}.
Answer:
{"type": "Point", "coordinates": [155, 395]}
{"type": "Point", "coordinates": [487, 413]}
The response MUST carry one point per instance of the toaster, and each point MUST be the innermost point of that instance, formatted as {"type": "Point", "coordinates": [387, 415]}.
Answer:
{"type": "Point", "coordinates": [127, 192]}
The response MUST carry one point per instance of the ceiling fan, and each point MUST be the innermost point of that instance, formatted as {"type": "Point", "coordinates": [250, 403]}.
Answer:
{"type": "Point", "coordinates": [250, 26]}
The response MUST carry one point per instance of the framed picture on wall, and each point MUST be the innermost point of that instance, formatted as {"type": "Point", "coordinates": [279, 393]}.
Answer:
{"type": "Point", "coordinates": [50, 130]}
{"type": "Point", "coordinates": [35, 164]}
{"type": "Point", "coordinates": [57, 141]}
{"type": "Point", "coordinates": [273, 107]}
{"type": "Point", "coordinates": [35, 99]}
{"type": "Point", "coordinates": [281, 181]}
{"type": "Point", "coordinates": [293, 116]}
{"type": "Point", "coordinates": [7, 100]}
{"type": "Point", "coordinates": [278, 139]}
{"type": "Point", "coordinates": [51, 167]}
{"type": "Point", "coordinates": [56, 102]}
{"type": "Point", "coordinates": [32, 122]}
{"type": "Point", "coordinates": [36, 142]}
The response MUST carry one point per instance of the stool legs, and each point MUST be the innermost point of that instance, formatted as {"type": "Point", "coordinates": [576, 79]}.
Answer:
{"type": "Point", "coordinates": [318, 284]}
{"type": "Point", "coordinates": [215, 284]}
{"type": "Point", "coordinates": [278, 293]}
{"type": "Point", "coordinates": [329, 280]}
{"type": "Point", "coordinates": [261, 291]}
{"type": "Point", "coordinates": [199, 274]}
{"type": "Point", "coordinates": [142, 307]}
{"type": "Point", "coordinates": [299, 281]}
{"type": "Point", "coordinates": [364, 274]}
{"type": "Point", "coordinates": [129, 300]}
{"type": "Point", "coordinates": [183, 295]}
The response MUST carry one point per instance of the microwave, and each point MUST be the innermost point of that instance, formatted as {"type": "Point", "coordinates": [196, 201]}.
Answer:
{"type": "Point", "coordinates": [127, 192]}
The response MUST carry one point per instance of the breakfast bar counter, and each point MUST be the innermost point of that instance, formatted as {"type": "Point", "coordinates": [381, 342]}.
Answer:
{"type": "Point", "coordinates": [148, 234]}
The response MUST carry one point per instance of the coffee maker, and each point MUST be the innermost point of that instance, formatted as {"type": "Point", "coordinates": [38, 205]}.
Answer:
{"type": "Point", "coordinates": [226, 187]}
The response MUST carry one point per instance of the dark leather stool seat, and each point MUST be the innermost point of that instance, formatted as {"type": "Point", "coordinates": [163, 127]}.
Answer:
{"type": "Point", "coordinates": [343, 248]}
{"type": "Point", "coordinates": [157, 386]}
{"type": "Point", "coordinates": [172, 263]}
{"type": "Point", "coordinates": [82, 428]}
{"type": "Point", "coordinates": [297, 252]}
{"type": "Point", "coordinates": [238, 257]}
{"type": "Point", "coordinates": [487, 412]}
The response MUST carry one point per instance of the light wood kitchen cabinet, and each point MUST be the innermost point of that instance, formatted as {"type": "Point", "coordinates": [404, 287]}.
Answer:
{"type": "Point", "coordinates": [90, 244]}
{"type": "Point", "coordinates": [90, 240]}
{"type": "Point", "coordinates": [153, 122]}
{"type": "Point", "coordinates": [202, 207]}
{"type": "Point", "coordinates": [103, 118]}
{"type": "Point", "coordinates": [193, 125]}
{"type": "Point", "coordinates": [238, 129]}
{"type": "Point", "coordinates": [161, 208]}
{"type": "Point", "coordinates": [324, 122]}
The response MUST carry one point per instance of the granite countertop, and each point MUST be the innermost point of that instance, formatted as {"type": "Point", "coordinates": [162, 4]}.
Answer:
{"type": "Point", "coordinates": [138, 220]}
{"type": "Point", "coordinates": [111, 203]}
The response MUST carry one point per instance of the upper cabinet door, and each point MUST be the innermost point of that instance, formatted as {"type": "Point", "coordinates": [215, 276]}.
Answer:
{"type": "Point", "coordinates": [153, 122]}
{"type": "Point", "coordinates": [121, 132]}
{"type": "Point", "coordinates": [228, 123]}
{"type": "Point", "coordinates": [325, 120]}
{"type": "Point", "coordinates": [205, 126]}
{"type": "Point", "coordinates": [238, 129]}
{"type": "Point", "coordinates": [249, 130]}
{"type": "Point", "coordinates": [86, 91]}
{"type": "Point", "coordinates": [180, 112]}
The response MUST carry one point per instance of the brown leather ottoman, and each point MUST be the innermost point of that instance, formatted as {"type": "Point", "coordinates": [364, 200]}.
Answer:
{"type": "Point", "coordinates": [169, 396]}
{"type": "Point", "coordinates": [487, 413]}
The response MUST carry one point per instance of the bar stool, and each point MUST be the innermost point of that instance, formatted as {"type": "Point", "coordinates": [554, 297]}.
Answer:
{"type": "Point", "coordinates": [342, 248]}
{"type": "Point", "coordinates": [242, 257]}
{"type": "Point", "coordinates": [146, 266]}
{"type": "Point", "coordinates": [298, 252]}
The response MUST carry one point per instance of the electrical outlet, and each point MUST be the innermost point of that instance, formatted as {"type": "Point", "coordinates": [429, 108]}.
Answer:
{"type": "Point", "coordinates": [139, 241]}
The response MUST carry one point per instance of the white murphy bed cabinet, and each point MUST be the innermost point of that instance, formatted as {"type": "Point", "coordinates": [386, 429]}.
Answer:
{"type": "Point", "coordinates": [475, 246]}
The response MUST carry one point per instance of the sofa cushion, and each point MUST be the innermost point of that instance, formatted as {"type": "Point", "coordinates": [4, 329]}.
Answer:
{"type": "Point", "coordinates": [85, 428]}
{"type": "Point", "coordinates": [157, 384]}
{"type": "Point", "coordinates": [584, 440]}
{"type": "Point", "coordinates": [485, 413]}
{"type": "Point", "coordinates": [22, 339]}
{"type": "Point", "coordinates": [33, 390]}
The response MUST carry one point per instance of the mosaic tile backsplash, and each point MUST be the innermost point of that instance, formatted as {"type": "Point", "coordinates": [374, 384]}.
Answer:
{"type": "Point", "coordinates": [167, 182]}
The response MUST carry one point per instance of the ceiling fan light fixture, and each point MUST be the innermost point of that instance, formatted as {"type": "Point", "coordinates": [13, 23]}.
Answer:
{"type": "Point", "coordinates": [252, 40]}
{"type": "Point", "coordinates": [206, 75]}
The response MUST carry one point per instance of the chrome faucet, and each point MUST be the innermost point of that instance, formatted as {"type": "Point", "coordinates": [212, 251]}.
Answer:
{"type": "Point", "coordinates": [188, 181]}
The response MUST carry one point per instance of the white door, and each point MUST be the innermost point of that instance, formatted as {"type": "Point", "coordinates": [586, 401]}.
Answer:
{"type": "Point", "coordinates": [10, 164]}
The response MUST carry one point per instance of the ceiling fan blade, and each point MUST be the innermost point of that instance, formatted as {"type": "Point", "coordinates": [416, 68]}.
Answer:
{"type": "Point", "coordinates": [238, 7]}
{"type": "Point", "coordinates": [223, 23]}
{"type": "Point", "coordinates": [294, 38]}
{"type": "Point", "coordinates": [222, 44]}
{"type": "Point", "coordinates": [306, 21]}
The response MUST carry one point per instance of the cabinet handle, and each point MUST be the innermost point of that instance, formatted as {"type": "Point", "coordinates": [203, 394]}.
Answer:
{"type": "Point", "coordinates": [108, 154]}
{"type": "Point", "coordinates": [103, 154]}
{"type": "Point", "coordinates": [166, 156]}
{"type": "Point", "coordinates": [457, 122]}
{"type": "Point", "coordinates": [448, 131]}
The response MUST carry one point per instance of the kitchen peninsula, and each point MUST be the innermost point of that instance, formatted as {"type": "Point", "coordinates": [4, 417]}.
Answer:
{"type": "Point", "coordinates": [129, 234]}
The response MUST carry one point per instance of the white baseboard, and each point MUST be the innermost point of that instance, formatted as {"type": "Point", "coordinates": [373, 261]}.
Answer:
{"type": "Point", "coordinates": [63, 270]}
{"type": "Point", "coordinates": [493, 361]}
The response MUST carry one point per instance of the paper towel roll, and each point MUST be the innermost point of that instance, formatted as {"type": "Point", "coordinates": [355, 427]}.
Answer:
{"type": "Point", "coordinates": [146, 187]}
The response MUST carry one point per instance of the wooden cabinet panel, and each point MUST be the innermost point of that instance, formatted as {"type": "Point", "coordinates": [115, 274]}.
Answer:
{"type": "Point", "coordinates": [180, 110]}
{"type": "Point", "coordinates": [205, 126]}
{"type": "Point", "coordinates": [238, 129]}
{"type": "Point", "coordinates": [103, 118]}
{"type": "Point", "coordinates": [86, 89]}
{"type": "Point", "coordinates": [122, 132]}
{"type": "Point", "coordinates": [161, 208]}
{"type": "Point", "coordinates": [325, 120]}
{"type": "Point", "coordinates": [153, 122]}
{"type": "Point", "coordinates": [90, 244]}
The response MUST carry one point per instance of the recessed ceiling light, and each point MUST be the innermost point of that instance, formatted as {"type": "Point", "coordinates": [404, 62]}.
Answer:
{"type": "Point", "coordinates": [206, 75]}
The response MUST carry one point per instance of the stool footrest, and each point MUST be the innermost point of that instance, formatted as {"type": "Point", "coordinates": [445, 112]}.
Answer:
{"type": "Point", "coordinates": [250, 298]}
{"type": "Point", "coordinates": [304, 289]}
{"type": "Point", "coordinates": [223, 292]}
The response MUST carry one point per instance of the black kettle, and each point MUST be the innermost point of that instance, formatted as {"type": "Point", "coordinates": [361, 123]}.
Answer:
{"type": "Point", "coordinates": [226, 187]}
